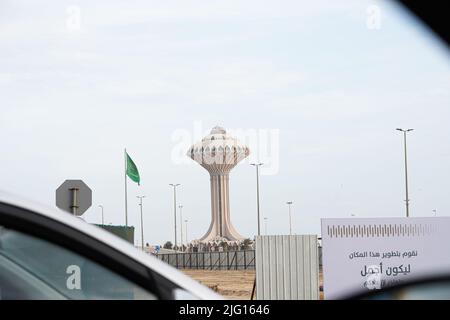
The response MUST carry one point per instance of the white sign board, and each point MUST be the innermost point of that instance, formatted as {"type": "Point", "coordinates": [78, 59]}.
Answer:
{"type": "Point", "coordinates": [361, 254]}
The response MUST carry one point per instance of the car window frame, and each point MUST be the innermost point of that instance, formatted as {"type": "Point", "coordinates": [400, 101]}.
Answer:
{"type": "Point", "coordinates": [40, 226]}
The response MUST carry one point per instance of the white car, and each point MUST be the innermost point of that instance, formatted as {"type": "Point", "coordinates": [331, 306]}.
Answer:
{"type": "Point", "coordinates": [49, 254]}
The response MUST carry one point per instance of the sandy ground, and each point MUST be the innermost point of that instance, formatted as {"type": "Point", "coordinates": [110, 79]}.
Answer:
{"type": "Point", "coordinates": [232, 284]}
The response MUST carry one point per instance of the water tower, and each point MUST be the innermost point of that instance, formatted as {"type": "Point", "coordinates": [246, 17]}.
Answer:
{"type": "Point", "coordinates": [219, 153]}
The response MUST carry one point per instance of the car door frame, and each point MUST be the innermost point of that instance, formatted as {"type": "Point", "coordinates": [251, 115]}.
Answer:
{"type": "Point", "coordinates": [43, 227]}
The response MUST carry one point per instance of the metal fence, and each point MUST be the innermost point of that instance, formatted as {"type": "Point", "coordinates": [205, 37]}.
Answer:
{"type": "Point", "coordinates": [287, 267]}
{"type": "Point", "coordinates": [219, 260]}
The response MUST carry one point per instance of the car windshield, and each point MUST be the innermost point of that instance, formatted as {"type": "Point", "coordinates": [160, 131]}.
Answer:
{"type": "Point", "coordinates": [190, 128]}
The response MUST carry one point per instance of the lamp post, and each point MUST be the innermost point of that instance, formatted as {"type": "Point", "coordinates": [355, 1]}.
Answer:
{"type": "Point", "coordinates": [175, 211]}
{"type": "Point", "coordinates": [257, 165]}
{"type": "Point", "coordinates": [265, 225]}
{"type": "Point", "coordinates": [181, 226]}
{"type": "Point", "coordinates": [434, 211]}
{"type": "Point", "coordinates": [405, 131]}
{"type": "Point", "coordinates": [186, 235]}
{"type": "Point", "coordinates": [289, 203]}
{"type": "Point", "coordinates": [103, 219]}
{"type": "Point", "coordinates": [142, 221]}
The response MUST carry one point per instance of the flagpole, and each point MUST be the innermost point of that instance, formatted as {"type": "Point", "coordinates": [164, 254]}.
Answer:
{"type": "Point", "coordinates": [126, 195]}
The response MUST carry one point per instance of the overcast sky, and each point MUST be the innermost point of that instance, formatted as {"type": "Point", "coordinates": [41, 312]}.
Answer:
{"type": "Point", "coordinates": [324, 84]}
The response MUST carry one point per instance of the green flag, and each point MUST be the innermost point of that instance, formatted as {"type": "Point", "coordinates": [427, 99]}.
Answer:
{"type": "Point", "coordinates": [132, 171]}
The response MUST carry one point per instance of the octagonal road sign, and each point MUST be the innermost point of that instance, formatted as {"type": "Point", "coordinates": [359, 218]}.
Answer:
{"type": "Point", "coordinates": [74, 196]}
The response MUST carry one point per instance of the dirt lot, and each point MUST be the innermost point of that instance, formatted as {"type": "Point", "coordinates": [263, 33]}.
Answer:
{"type": "Point", "coordinates": [232, 284]}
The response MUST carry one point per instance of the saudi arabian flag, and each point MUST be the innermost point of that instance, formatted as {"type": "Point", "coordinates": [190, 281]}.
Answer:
{"type": "Point", "coordinates": [132, 171]}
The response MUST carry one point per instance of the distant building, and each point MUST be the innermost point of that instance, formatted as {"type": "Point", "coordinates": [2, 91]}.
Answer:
{"type": "Point", "coordinates": [124, 232]}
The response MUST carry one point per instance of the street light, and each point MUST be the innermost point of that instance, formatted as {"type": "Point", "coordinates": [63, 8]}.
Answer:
{"type": "Point", "coordinates": [181, 227]}
{"type": "Point", "coordinates": [435, 212]}
{"type": "Point", "coordinates": [265, 225]}
{"type": "Point", "coordinates": [289, 203]}
{"type": "Point", "coordinates": [142, 221]}
{"type": "Point", "coordinates": [186, 222]}
{"type": "Point", "coordinates": [175, 210]}
{"type": "Point", "coordinates": [405, 131]}
{"type": "Point", "coordinates": [257, 165]}
{"type": "Point", "coordinates": [103, 220]}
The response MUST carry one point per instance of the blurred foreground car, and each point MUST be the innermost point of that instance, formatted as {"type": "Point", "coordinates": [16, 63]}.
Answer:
{"type": "Point", "coordinates": [435, 287]}
{"type": "Point", "coordinates": [49, 254]}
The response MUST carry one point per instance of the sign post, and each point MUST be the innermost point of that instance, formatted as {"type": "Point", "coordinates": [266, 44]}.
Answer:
{"type": "Point", "coordinates": [74, 196]}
